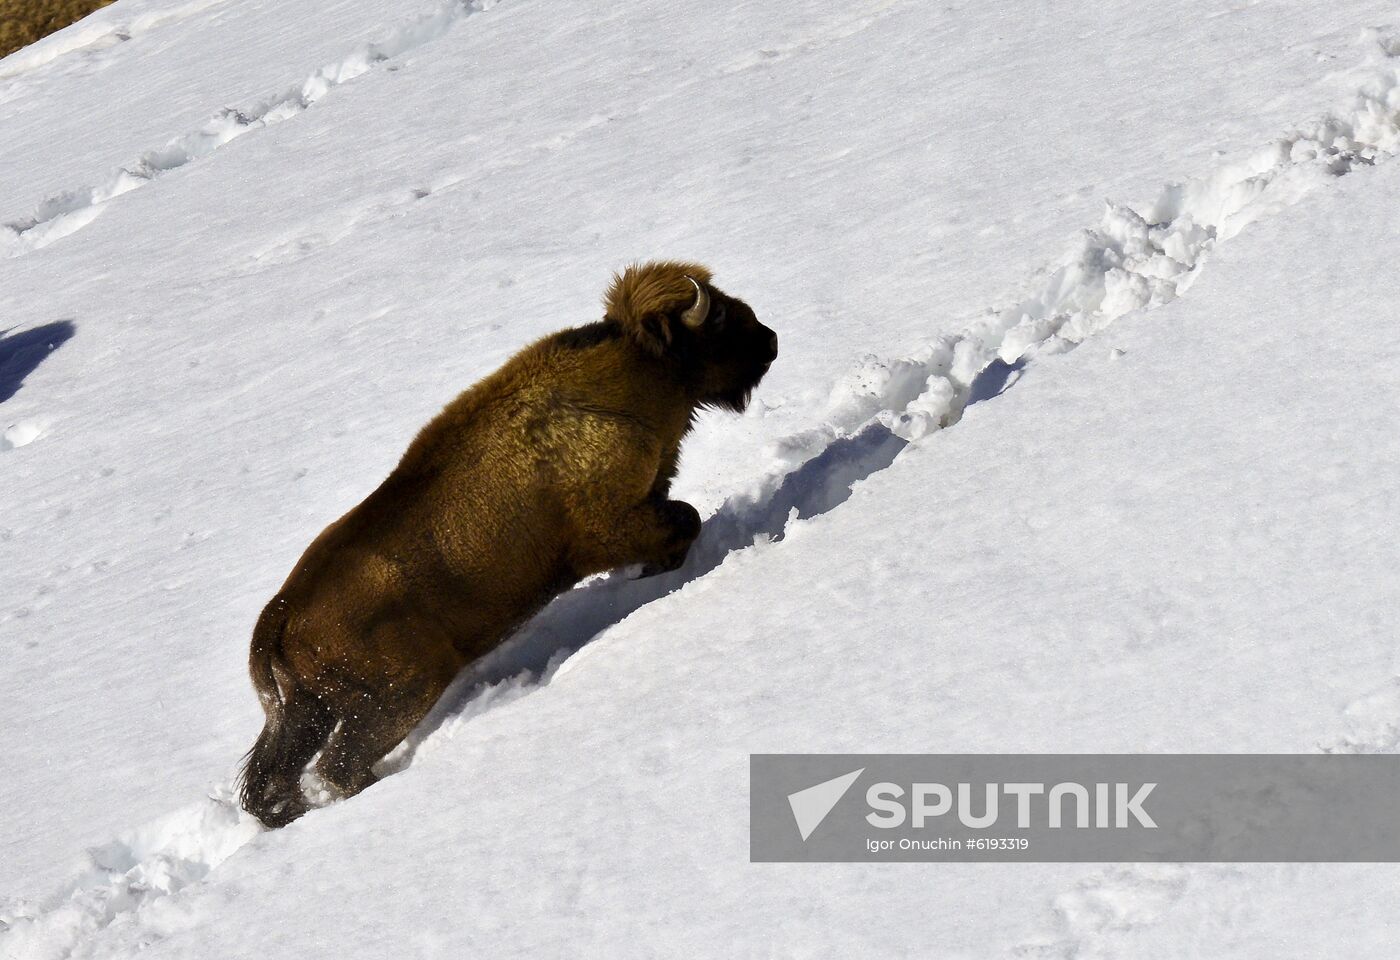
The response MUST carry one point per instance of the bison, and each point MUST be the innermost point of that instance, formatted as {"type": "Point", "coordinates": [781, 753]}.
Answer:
{"type": "Point", "coordinates": [555, 467]}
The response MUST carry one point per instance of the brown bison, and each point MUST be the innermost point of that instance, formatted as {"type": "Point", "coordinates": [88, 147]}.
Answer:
{"type": "Point", "coordinates": [555, 467]}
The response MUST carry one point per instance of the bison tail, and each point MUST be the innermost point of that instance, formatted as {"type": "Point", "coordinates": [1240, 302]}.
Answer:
{"type": "Point", "coordinates": [295, 728]}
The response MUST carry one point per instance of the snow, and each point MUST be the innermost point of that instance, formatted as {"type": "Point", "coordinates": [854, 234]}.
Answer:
{"type": "Point", "coordinates": [285, 234]}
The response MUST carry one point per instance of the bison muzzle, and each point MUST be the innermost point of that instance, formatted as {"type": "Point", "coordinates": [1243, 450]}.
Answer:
{"type": "Point", "coordinates": [555, 467]}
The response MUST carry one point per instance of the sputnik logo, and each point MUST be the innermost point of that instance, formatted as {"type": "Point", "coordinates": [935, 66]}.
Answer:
{"type": "Point", "coordinates": [810, 806]}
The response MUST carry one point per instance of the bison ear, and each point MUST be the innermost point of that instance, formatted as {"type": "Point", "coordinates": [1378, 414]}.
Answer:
{"type": "Point", "coordinates": [650, 301]}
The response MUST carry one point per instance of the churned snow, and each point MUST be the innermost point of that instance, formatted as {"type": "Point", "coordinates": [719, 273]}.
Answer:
{"type": "Point", "coordinates": [1081, 439]}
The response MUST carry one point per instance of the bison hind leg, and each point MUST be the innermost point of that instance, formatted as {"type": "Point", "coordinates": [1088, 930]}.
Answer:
{"type": "Point", "coordinates": [415, 662]}
{"type": "Point", "coordinates": [272, 772]}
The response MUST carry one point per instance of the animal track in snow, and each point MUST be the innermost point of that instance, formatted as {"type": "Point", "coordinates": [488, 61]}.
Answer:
{"type": "Point", "coordinates": [124, 879]}
{"type": "Point", "coordinates": [70, 211]}
{"type": "Point", "coordinates": [1134, 259]}
{"type": "Point", "coordinates": [67, 212]}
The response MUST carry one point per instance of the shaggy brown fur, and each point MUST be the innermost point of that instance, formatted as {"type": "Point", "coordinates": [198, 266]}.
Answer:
{"type": "Point", "coordinates": [552, 468]}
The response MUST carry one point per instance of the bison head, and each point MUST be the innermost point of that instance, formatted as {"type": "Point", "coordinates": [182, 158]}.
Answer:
{"type": "Point", "coordinates": [673, 311]}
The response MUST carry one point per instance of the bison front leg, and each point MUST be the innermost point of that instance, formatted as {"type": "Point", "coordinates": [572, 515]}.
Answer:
{"type": "Point", "coordinates": [655, 533]}
{"type": "Point", "coordinates": [680, 525]}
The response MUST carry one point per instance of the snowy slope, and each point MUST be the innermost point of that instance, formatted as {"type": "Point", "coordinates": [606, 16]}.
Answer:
{"type": "Point", "coordinates": [1172, 538]}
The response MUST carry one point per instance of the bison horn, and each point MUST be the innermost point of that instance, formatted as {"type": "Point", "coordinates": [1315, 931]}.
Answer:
{"type": "Point", "coordinates": [694, 317]}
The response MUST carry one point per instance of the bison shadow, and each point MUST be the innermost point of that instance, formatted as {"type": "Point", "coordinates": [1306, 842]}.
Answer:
{"type": "Point", "coordinates": [21, 353]}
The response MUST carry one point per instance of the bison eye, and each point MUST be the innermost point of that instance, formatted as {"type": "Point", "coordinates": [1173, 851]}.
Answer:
{"type": "Point", "coordinates": [717, 317]}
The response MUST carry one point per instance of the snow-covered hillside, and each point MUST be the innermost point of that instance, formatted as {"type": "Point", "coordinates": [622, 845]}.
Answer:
{"type": "Point", "coordinates": [266, 241]}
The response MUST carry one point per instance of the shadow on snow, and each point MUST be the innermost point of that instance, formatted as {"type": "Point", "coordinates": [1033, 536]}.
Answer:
{"type": "Point", "coordinates": [21, 353]}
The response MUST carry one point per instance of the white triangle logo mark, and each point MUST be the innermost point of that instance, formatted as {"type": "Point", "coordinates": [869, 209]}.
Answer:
{"type": "Point", "coordinates": [810, 806]}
